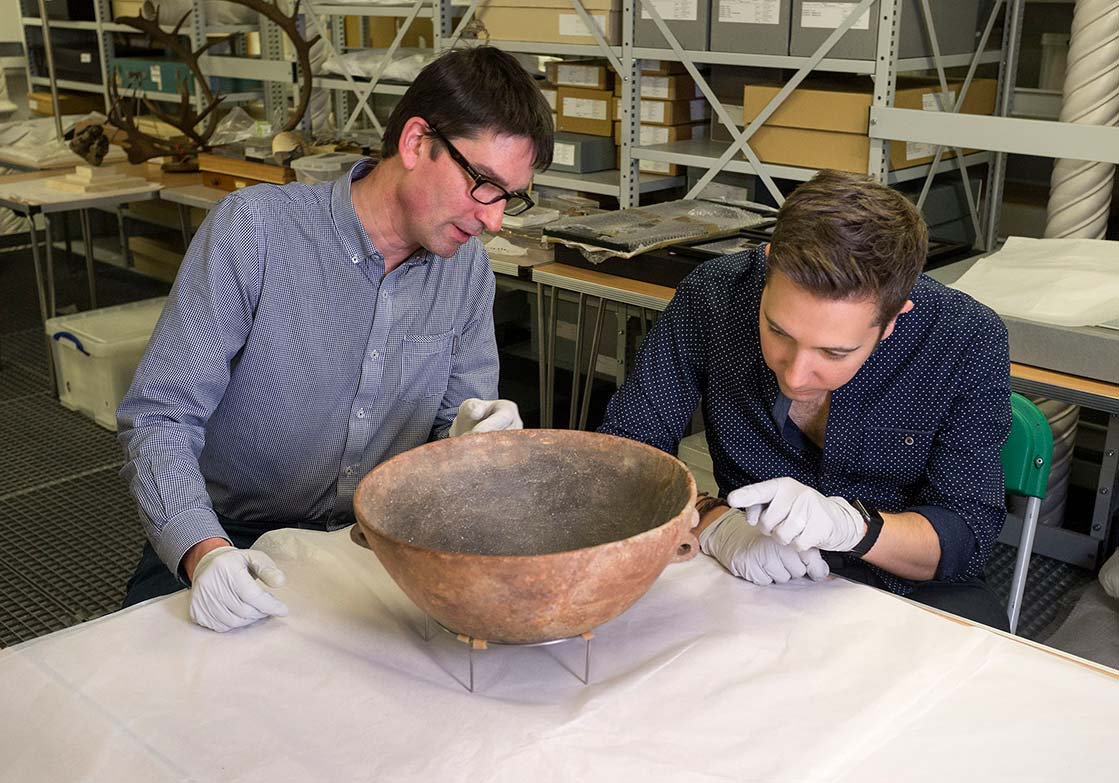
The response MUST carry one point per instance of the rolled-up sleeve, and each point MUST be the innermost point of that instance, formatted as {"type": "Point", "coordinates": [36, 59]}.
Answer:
{"type": "Point", "coordinates": [964, 496]}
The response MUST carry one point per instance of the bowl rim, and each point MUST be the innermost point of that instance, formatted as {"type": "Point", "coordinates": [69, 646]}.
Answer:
{"type": "Point", "coordinates": [480, 557]}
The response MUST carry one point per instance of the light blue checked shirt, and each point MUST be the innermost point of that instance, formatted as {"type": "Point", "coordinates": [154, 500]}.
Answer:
{"type": "Point", "coordinates": [286, 365]}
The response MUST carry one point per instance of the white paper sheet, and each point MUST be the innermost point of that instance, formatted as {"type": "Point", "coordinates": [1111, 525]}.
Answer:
{"type": "Point", "coordinates": [706, 678]}
{"type": "Point", "coordinates": [1066, 282]}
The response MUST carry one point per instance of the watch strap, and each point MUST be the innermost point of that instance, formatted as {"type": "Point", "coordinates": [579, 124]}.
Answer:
{"type": "Point", "coordinates": [874, 522]}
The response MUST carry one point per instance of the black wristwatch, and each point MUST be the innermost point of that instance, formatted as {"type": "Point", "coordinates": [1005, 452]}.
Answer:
{"type": "Point", "coordinates": [874, 524]}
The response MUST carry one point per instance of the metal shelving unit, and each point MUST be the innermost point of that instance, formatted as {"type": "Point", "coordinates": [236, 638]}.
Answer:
{"type": "Point", "coordinates": [265, 71]}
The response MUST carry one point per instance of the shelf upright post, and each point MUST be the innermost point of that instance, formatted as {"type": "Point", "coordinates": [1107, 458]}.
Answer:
{"type": "Point", "coordinates": [103, 13]}
{"type": "Point", "coordinates": [629, 193]}
{"type": "Point", "coordinates": [1004, 105]}
{"type": "Point", "coordinates": [197, 40]}
{"type": "Point", "coordinates": [275, 93]}
{"type": "Point", "coordinates": [440, 23]}
{"type": "Point", "coordinates": [885, 83]}
{"type": "Point", "coordinates": [342, 98]}
{"type": "Point", "coordinates": [48, 51]}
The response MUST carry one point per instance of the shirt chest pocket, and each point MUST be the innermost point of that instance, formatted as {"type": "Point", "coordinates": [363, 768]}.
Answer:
{"type": "Point", "coordinates": [425, 365]}
{"type": "Point", "coordinates": [896, 454]}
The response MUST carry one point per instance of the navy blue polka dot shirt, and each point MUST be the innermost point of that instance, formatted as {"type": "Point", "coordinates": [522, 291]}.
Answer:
{"type": "Point", "coordinates": [920, 426]}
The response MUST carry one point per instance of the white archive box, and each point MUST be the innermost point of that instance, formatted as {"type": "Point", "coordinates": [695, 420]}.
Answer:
{"type": "Point", "coordinates": [96, 352]}
{"type": "Point", "coordinates": [324, 167]}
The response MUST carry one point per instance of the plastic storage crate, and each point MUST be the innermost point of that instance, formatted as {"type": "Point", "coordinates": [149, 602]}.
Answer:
{"type": "Point", "coordinates": [324, 167]}
{"type": "Point", "coordinates": [96, 352]}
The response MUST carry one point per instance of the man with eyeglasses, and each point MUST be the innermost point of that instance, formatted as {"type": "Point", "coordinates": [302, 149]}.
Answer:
{"type": "Point", "coordinates": [316, 331]}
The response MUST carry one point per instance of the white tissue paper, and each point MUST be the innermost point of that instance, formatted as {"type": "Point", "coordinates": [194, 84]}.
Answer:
{"type": "Point", "coordinates": [1065, 282]}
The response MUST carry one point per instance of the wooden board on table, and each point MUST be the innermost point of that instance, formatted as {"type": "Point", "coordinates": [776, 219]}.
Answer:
{"type": "Point", "coordinates": [245, 169]}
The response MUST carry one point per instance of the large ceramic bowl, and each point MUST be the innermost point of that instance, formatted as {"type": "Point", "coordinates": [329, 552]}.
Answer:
{"type": "Point", "coordinates": [530, 535]}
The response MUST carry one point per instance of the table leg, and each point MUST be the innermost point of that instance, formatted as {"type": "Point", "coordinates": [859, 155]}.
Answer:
{"type": "Point", "coordinates": [87, 239]}
{"type": "Point", "coordinates": [576, 366]}
{"type": "Point", "coordinates": [541, 356]}
{"type": "Point", "coordinates": [592, 364]}
{"type": "Point", "coordinates": [52, 299]}
{"type": "Point", "coordinates": [553, 325]}
{"type": "Point", "coordinates": [184, 224]}
{"type": "Point", "coordinates": [1105, 486]}
{"type": "Point", "coordinates": [45, 312]}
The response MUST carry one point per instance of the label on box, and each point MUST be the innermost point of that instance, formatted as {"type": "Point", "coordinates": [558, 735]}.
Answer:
{"type": "Point", "coordinates": [674, 10]}
{"type": "Point", "coordinates": [577, 75]}
{"type": "Point", "coordinates": [831, 15]}
{"type": "Point", "coordinates": [584, 108]}
{"type": "Point", "coordinates": [931, 101]}
{"type": "Point", "coordinates": [563, 154]}
{"type": "Point", "coordinates": [156, 74]}
{"type": "Point", "coordinates": [654, 86]}
{"type": "Point", "coordinates": [34, 104]}
{"type": "Point", "coordinates": [652, 112]}
{"type": "Point", "coordinates": [698, 110]}
{"type": "Point", "coordinates": [919, 149]}
{"type": "Point", "coordinates": [550, 97]}
{"type": "Point", "coordinates": [750, 11]}
{"type": "Point", "coordinates": [655, 166]}
{"type": "Point", "coordinates": [572, 25]}
{"type": "Point", "coordinates": [651, 134]}
{"type": "Point", "coordinates": [86, 57]}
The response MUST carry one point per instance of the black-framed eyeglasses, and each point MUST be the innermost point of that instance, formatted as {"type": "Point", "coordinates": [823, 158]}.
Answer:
{"type": "Point", "coordinates": [485, 190]}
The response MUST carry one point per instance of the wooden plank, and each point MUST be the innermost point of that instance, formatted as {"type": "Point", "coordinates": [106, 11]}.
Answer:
{"type": "Point", "coordinates": [245, 169]}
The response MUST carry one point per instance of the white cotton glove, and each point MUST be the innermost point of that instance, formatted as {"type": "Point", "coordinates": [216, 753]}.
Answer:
{"type": "Point", "coordinates": [748, 553]}
{"type": "Point", "coordinates": [226, 594]}
{"type": "Point", "coordinates": [799, 515]}
{"type": "Point", "coordinates": [476, 415]}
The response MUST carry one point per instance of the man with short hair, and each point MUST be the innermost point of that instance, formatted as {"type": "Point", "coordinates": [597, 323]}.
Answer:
{"type": "Point", "coordinates": [316, 331]}
{"type": "Point", "coordinates": [855, 411]}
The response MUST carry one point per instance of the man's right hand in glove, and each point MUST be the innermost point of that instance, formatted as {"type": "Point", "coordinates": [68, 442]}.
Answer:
{"type": "Point", "coordinates": [750, 554]}
{"type": "Point", "coordinates": [225, 593]}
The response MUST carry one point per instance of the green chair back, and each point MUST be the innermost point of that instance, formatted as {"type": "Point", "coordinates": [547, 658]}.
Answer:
{"type": "Point", "coordinates": [1028, 449]}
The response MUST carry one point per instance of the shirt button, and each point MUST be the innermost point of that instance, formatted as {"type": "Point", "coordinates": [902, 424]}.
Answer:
{"type": "Point", "coordinates": [908, 440]}
{"type": "Point", "coordinates": [355, 259]}
{"type": "Point", "coordinates": [373, 354]}
{"type": "Point", "coordinates": [361, 413]}
{"type": "Point", "coordinates": [385, 296]}
{"type": "Point", "coordinates": [349, 471]}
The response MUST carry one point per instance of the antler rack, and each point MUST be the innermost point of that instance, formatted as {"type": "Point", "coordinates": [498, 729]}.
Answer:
{"type": "Point", "coordinates": [122, 113]}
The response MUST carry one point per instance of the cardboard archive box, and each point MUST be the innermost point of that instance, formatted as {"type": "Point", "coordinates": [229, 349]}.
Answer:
{"type": "Point", "coordinates": [68, 103]}
{"type": "Point", "coordinates": [824, 124]}
{"type": "Point", "coordinates": [651, 135]}
{"type": "Point", "coordinates": [670, 87]}
{"type": "Point", "coordinates": [580, 110]}
{"type": "Point", "coordinates": [957, 26]}
{"type": "Point", "coordinates": [548, 21]}
{"type": "Point", "coordinates": [751, 26]}
{"type": "Point", "coordinates": [688, 20]}
{"type": "Point", "coordinates": [683, 112]}
{"type": "Point", "coordinates": [592, 74]}
{"type": "Point", "coordinates": [582, 153]}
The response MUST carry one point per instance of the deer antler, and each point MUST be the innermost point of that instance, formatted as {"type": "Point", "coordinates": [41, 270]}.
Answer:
{"type": "Point", "coordinates": [122, 114]}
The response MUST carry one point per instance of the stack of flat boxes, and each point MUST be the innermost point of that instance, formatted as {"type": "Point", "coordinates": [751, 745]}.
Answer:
{"type": "Point", "coordinates": [584, 97]}
{"type": "Point", "coordinates": [672, 109]}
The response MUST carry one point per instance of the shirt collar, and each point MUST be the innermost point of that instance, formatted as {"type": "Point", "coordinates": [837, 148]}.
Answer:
{"type": "Point", "coordinates": [350, 230]}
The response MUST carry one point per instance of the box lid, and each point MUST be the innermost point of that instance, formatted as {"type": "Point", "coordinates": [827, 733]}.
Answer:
{"type": "Point", "coordinates": [844, 105]}
{"type": "Point", "coordinates": [110, 326]}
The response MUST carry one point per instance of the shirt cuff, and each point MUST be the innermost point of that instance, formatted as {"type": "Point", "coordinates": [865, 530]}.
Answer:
{"type": "Point", "coordinates": [957, 541]}
{"type": "Point", "coordinates": [182, 532]}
